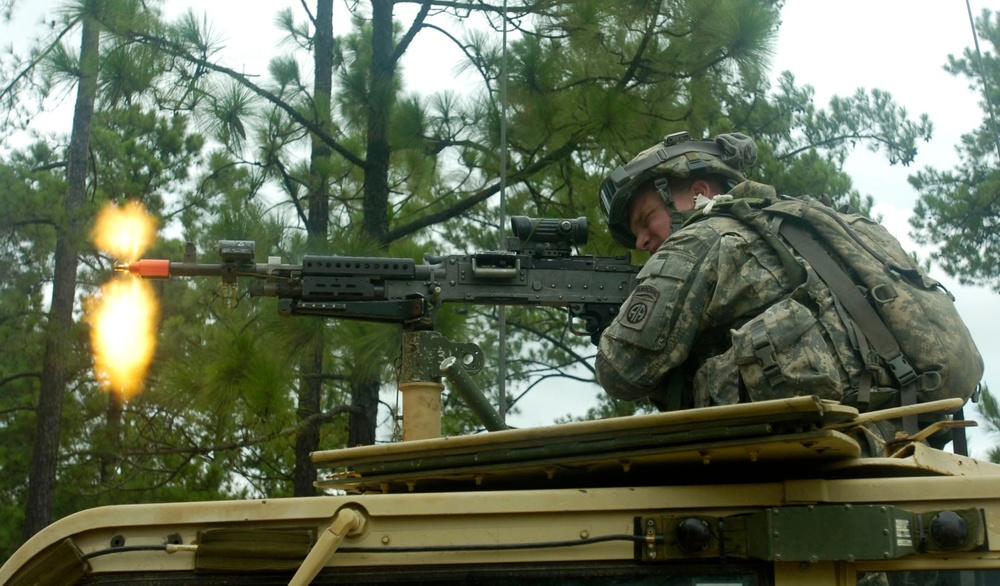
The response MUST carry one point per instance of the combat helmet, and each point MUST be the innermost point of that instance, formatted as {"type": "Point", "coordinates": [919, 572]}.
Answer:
{"type": "Point", "coordinates": [677, 156]}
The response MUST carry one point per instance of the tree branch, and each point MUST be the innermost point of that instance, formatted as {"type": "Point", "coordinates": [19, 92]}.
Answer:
{"type": "Point", "coordinates": [484, 194]}
{"type": "Point", "coordinates": [14, 377]}
{"type": "Point", "coordinates": [313, 127]}
{"type": "Point", "coordinates": [633, 65]}
{"type": "Point", "coordinates": [555, 342]}
{"type": "Point", "coordinates": [418, 23]}
{"type": "Point", "coordinates": [833, 140]}
{"type": "Point", "coordinates": [38, 58]}
{"type": "Point", "coordinates": [323, 417]}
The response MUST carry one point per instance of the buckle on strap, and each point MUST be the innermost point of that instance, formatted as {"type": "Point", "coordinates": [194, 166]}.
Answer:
{"type": "Point", "coordinates": [902, 371]}
{"type": "Point", "coordinates": [764, 352]}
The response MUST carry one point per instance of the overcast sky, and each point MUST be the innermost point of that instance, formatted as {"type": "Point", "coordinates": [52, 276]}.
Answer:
{"type": "Point", "coordinates": [834, 45]}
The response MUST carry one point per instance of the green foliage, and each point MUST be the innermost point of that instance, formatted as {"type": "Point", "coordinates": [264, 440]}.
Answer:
{"type": "Point", "coordinates": [990, 411]}
{"type": "Point", "coordinates": [143, 156]}
{"type": "Point", "coordinates": [607, 407]}
{"type": "Point", "coordinates": [135, 153]}
{"type": "Point", "coordinates": [25, 267]}
{"type": "Point", "coordinates": [230, 105]}
{"type": "Point", "coordinates": [959, 209]}
{"type": "Point", "coordinates": [803, 148]}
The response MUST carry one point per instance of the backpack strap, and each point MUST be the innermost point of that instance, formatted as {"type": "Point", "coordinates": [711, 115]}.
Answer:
{"type": "Point", "coordinates": [861, 311]}
{"type": "Point", "coordinates": [871, 362]}
{"type": "Point", "coordinates": [867, 324]}
{"type": "Point", "coordinates": [740, 209]}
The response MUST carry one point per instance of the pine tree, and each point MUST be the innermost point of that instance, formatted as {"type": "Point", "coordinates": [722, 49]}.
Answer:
{"type": "Point", "coordinates": [959, 208]}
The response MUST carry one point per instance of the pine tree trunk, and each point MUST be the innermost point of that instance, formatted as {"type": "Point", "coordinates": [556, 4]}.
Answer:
{"type": "Point", "coordinates": [380, 97]}
{"type": "Point", "coordinates": [317, 226]}
{"type": "Point", "coordinates": [364, 399]}
{"type": "Point", "coordinates": [42, 478]}
{"type": "Point", "coordinates": [307, 440]}
{"type": "Point", "coordinates": [375, 225]}
{"type": "Point", "coordinates": [111, 451]}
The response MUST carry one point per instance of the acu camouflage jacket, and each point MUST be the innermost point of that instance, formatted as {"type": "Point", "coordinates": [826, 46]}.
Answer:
{"type": "Point", "coordinates": [715, 321]}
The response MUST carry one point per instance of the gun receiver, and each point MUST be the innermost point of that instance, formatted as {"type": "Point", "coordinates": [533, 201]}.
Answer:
{"type": "Point", "coordinates": [536, 270]}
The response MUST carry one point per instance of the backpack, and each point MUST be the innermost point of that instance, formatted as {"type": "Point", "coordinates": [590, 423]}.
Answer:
{"type": "Point", "coordinates": [909, 332]}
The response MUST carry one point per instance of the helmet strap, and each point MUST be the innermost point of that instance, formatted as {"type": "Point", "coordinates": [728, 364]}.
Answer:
{"type": "Point", "coordinates": [677, 218]}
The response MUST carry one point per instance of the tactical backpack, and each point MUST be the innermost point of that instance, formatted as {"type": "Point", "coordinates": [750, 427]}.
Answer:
{"type": "Point", "coordinates": [907, 328]}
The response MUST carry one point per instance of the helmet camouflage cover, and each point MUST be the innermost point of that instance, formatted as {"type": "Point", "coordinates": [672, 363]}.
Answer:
{"type": "Point", "coordinates": [679, 157]}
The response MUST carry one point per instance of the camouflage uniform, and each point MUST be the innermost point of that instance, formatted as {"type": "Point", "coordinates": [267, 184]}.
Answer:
{"type": "Point", "coordinates": [714, 315]}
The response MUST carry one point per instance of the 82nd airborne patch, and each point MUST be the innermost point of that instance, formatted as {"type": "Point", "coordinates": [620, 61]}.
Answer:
{"type": "Point", "coordinates": [640, 306]}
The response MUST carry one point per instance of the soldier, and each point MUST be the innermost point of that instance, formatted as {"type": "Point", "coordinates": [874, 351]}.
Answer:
{"type": "Point", "coordinates": [715, 319]}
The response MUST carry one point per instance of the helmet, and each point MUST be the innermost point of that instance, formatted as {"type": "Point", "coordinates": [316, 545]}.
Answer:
{"type": "Point", "coordinates": [677, 156]}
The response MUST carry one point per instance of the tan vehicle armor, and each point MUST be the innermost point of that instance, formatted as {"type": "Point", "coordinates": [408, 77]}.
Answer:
{"type": "Point", "coordinates": [757, 494]}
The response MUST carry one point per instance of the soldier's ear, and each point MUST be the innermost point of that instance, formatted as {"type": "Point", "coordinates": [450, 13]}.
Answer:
{"type": "Point", "coordinates": [703, 187]}
{"type": "Point", "coordinates": [706, 188]}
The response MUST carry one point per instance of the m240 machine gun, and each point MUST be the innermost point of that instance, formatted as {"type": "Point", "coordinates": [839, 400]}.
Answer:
{"type": "Point", "coordinates": [537, 269]}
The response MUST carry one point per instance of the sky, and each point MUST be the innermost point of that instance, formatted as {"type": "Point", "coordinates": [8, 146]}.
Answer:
{"type": "Point", "coordinates": [836, 46]}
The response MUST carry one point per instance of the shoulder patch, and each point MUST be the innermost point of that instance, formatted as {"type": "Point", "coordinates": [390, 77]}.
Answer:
{"type": "Point", "coordinates": [640, 307]}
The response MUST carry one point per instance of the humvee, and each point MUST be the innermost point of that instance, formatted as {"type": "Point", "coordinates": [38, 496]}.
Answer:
{"type": "Point", "coordinates": [772, 493]}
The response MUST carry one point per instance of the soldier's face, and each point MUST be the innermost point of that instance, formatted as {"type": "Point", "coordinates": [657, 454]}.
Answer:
{"type": "Point", "coordinates": [649, 220]}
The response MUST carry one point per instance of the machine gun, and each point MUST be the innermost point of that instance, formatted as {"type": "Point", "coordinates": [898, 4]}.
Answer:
{"type": "Point", "coordinates": [537, 269]}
